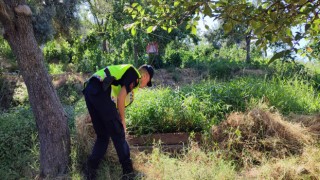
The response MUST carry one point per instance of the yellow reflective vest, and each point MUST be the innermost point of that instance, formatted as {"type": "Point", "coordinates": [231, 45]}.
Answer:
{"type": "Point", "coordinates": [117, 71]}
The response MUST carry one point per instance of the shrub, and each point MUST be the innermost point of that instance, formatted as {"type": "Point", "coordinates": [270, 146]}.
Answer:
{"type": "Point", "coordinates": [70, 88]}
{"type": "Point", "coordinates": [18, 139]}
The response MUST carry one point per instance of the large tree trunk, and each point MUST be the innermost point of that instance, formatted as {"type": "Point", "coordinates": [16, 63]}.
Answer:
{"type": "Point", "coordinates": [49, 115]}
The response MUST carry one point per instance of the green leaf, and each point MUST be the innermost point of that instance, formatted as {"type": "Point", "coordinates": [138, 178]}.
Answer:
{"type": "Point", "coordinates": [134, 5]}
{"type": "Point", "coordinates": [164, 28]}
{"type": "Point", "coordinates": [255, 24]}
{"type": "Point", "coordinates": [129, 9]}
{"type": "Point", "coordinates": [227, 27]}
{"type": "Point", "coordinates": [298, 36]}
{"type": "Point", "coordinates": [287, 40]}
{"type": "Point", "coordinates": [288, 32]}
{"type": "Point", "coordinates": [279, 55]}
{"type": "Point", "coordinates": [207, 10]}
{"type": "Point", "coordinates": [300, 2]}
{"type": "Point", "coordinates": [176, 3]}
{"type": "Point", "coordinates": [139, 8]}
{"type": "Point", "coordinates": [150, 29]}
{"type": "Point", "coordinates": [307, 27]}
{"type": "Point", "coordinates": [194, 30]}
{"type": "Point", "coordinates": [206, 26]}
{"type": "Point", "coordinates": [169, 30]}
{"type": "Point", "coordinates": [258, 42]}
{"type": "Point", "coordinates": [133, 31]}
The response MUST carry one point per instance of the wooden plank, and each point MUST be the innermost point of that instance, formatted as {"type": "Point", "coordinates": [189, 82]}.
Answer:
{"type": "Point", "coordinates": [176, 148]}
{"type": "Point", "coordinates": [164, 138]}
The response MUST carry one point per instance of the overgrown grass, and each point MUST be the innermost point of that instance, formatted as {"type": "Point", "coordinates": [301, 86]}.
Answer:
{"type": "Point", "coordinates": [197, 107]}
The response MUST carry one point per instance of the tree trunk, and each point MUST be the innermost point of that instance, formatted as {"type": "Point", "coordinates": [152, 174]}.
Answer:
{"type": "Point", "coordinates": [49, 115]}
{"type": "Point", "coordinates": [248, 42]}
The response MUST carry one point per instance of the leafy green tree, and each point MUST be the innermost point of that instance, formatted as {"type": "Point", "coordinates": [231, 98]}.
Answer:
{"type": "Point", "coordinates": [21, 25]}
{"type": "Point", "coordinates": [118, 45]}
{"type": "Point", "coordinates": [238, 35]}
{"type": "Point", "coordinates": [270, 21]}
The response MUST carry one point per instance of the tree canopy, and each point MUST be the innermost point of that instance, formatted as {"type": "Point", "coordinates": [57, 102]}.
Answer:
{"type": "Point", "coordinates": [270, 21]}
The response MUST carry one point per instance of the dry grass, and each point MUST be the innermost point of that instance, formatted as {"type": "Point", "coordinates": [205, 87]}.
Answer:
{"type": "Point", "coordinates": [86, 137]}
{"type": "Point", "coordinates": [305, 166]}
{"type": "Point", "coordinates": [311, 122]}
{"type": "Point", "coordinates": [257, 135]}
{"type": "Point", "coordinates": [194, 163]}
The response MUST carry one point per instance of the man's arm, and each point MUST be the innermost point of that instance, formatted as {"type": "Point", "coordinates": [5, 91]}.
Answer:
{"type": "Point", "coordinates": [121, 105]}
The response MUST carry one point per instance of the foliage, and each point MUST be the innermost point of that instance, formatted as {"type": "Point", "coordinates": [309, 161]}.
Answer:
{"type": "Point", "coordinates": [166, 110]}
{"type": "Point", "coordinates": [269, 21]}
{"type": "Point", "coordinates": [6, 56]}
{"type": "Point", "coordinates": [197, 107]}
{"type": "Point", "coordinates": [56, 51]}
{"type": "Point", "coordinates": [53, 19]}
{"type": "Point", "coordinates": [71, 91]}
{"type": "Point", "coordinates": [13, 92]}
{"type": "Point", "coordinates": [56, 68]}
{"type": "Point", "coordinates": [18, 143]}
{"type": "Point", "coordinates": [5, 49]}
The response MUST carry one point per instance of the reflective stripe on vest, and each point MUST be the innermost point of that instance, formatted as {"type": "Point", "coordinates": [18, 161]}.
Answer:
{"type": "Point", "coordinates": [118, 71]}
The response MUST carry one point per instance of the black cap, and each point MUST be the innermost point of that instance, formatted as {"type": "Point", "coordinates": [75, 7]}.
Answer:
{"type": "Point", "coordinates": [150, 70]}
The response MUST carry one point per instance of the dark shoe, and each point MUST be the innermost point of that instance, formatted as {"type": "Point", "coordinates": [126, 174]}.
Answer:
{"type": "Point", "coordinates": [133, 176]}
{"type": "Point", "coordinates": [89, 173]}
{"type": "Point", "coordinates": [130, 176]}
{"type": "Point", "coordinates": [127, 168]}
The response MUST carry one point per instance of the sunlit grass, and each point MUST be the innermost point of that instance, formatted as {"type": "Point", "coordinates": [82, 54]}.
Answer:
{"type": "Point", "coordinates": [197, 107]}
{"type": "Point", "coordinates": [192, 164]}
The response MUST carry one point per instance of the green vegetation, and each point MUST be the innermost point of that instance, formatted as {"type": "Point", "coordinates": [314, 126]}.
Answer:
{"type": "Point", "coordinates": [230, 80]}
{"type": "Point", "coordinates": [228, 84]}
{"type": "Point", "coordinates": [197, 107]}
{"type": "Point", "coordinates": [18, 144]}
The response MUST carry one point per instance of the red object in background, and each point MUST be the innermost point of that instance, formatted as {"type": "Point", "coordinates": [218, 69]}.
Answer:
{"type": "Point", "coordinates": [152, 48]}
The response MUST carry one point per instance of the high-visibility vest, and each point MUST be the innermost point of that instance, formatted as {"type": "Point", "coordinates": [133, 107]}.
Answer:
{"type": "Point", "coordinates": [117, 71]}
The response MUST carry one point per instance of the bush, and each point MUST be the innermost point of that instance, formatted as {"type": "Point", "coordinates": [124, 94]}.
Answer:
{"type": "Point", "coordinates": [187, 59]}
{"type": "Point", "coordinates": [172, 58]}
{"type": "Point", "coordinates": [13, 92]}
{"type": "Point", "coordinates": [18, 144]}
{"type": "Point", "coordinates": [58, 51]}
{"type": "Point", "coordinates": [70, 89]}
{"type": "Point", "coordinates": [167, 110]}
{"type": "Point", "coordinates": [224, 69]}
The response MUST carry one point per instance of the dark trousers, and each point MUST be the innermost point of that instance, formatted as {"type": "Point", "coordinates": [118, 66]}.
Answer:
{"type": "Point", "coordinates": [106, 123]}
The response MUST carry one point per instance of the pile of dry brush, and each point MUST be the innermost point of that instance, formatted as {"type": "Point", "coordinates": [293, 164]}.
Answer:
{"type": "Point", "coordinates": [257, 135]}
